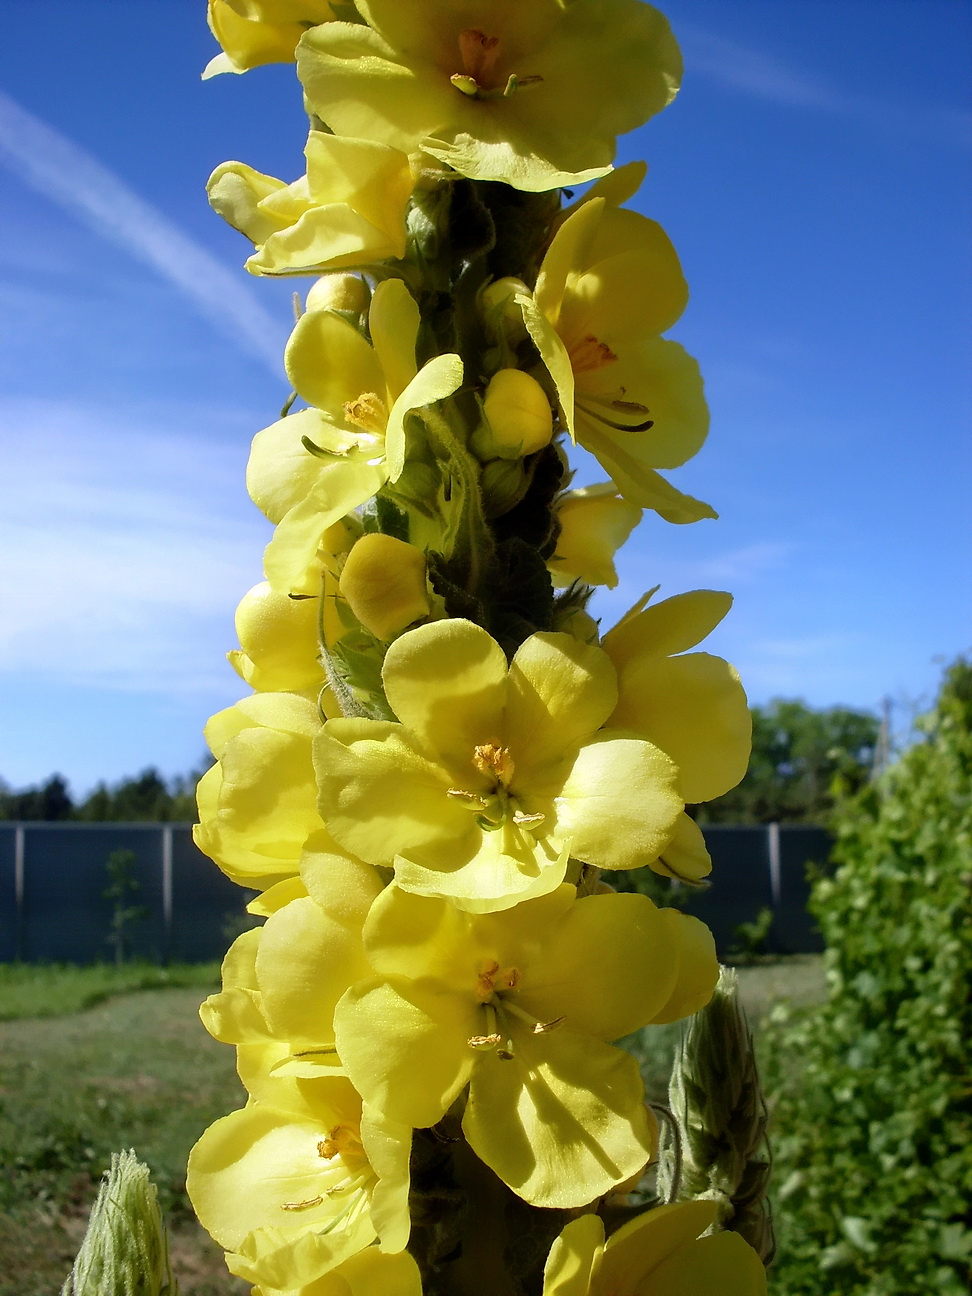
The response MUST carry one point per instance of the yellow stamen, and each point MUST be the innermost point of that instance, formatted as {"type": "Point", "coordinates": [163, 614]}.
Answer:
{"type": "Point", "coordinates": [589, 354]}
{"type": "Point", "coordinates": [369, 412]}
{"type": "Point", "coordinates": [495, 762]}
{"type": "Point", "coordinates": [301, 1205]}
{"type": "Point", "coordinates": [493, 979]}
{"type": "Point", "coordinates": [342, 1140]}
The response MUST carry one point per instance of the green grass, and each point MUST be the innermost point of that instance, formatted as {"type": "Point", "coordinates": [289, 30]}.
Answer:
{"type": "Point", "coordinates": [55, 989]}
{"type": "Point", "coordinates": [136, 1071]}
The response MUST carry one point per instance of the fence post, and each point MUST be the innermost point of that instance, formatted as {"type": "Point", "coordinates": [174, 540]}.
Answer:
{"type": "Point", "coordinates": [19, 888]}
{"type": "Point", "coordinates": [776, 888]}
{"type": "Point", "coordinates": [166, 894]}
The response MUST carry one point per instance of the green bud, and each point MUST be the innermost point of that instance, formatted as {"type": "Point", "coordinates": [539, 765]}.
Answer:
{"type": "Point", "coordinates": [504, 483]}
{"type": "Point", "coordinates": [501, 315]}
{"type": "Point", "coordinates": [125, 1251]}
{"type": "Point", "coordinates": [716, 1101]}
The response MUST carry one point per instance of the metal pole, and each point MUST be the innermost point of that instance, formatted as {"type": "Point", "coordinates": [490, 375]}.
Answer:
{"type": "Point", "coordinates": [776, 889]}
{"type": "Point", "coordinates": [166, 894]}
{"type": "Point", "coordinates": [19, 888]}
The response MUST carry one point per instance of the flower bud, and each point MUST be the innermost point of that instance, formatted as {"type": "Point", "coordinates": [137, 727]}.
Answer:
{"type": "Point", "coordinates": [581, 625]}
{"type": "Point", "coordinates": [278, 642]}
{"type": "Point", "coordinates": [384, 583]}
{"type": "Point", "coordinates": [125, 1251]}
{"type": "Point", "coordinates": [339, 292]}
{"type": "Point", "coordinates": [501, 315]}
{"type": "Point", "coordinates": [518, 417]}
{"type": "Point", "coordinates": [594, 523]}
{"type": "Point", "coordinates": [504, 483]}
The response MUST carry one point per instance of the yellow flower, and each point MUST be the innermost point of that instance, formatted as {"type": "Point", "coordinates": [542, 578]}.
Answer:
{"type": "Point", "coordinates": [691, 705]}
{"type": "Point", "coordinates": [281, 981]}
{"type": "Point", "coordinates": [530, 94]}
{"type": "Point", "coordinates": [371, 1272]}
{"type": "Point", "coordinates": [258, 803]}
{"type": "Point", "coordinates": [278, 642]}
{"type": "Point", "coordinates": [385, 585]}
{"type": "Point", "coordinates": [594, 523]}
{"type": "Point", "coordinates": [293, 1187]}
{"type": "Point", "coordinates": [255, 32]}
{"type": "Point", "coordinates": [660, 1253]}
{"type": "Point", "coordinates": [348, 210]}
{"type": "Point", "coordinates": [310, 469]}
{"type": "Point", "coordinates": [496, 774]}
{"type": "Point", "coordinates": [520, 1006]}
{"type": "Point", "coordinates": [609, 285]}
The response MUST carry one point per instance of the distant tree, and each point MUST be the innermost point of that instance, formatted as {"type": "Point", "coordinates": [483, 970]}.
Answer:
{"type": "Point", "coordinates": [147, 798]}
{"type": "Point", "coordinates": [800, 756]}
{"type": "Point", "coordinates": [143, 798]}
{"type": "Point", "coordinates": [49, 801]}
{"type": "Point", "coordinates": [96, 808]}
{"type": "Point", "coordinates": [122, 886]}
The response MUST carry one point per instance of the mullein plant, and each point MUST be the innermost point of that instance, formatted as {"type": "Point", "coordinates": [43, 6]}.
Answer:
{"type": "Point", "coordinates": [444, 759]}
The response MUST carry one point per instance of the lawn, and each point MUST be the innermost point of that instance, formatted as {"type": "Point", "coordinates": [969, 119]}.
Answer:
{"type": "Point", "coordinates": [52, 990]}
{"type": "Point", "coordinates": [138, 1070]}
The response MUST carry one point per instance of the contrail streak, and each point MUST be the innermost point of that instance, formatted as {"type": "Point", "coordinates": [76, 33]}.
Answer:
{"type": "Point", "coordinates": [68, 175]}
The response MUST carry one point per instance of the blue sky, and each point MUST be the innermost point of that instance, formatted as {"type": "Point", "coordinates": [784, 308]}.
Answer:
{"type": "Point", "coordinates": [814, 176]}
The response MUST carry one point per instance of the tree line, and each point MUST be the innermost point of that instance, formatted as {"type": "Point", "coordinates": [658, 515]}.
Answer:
{"type": "Point", "coordinates": [802, 756]}
{"type": "Point", "coordinates": [148, 797]}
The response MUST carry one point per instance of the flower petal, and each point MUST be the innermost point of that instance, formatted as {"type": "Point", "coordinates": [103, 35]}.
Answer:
{"type": "Point", "coordinates": [434, 382]}
{"type": "Point", "coordinates": [560, 693]}
{"type": "Point", "coordinates": [561, 1123]}
{"type": "Point", "coordinates": [637, 1247]}
{"type": "Point", "coordinates": [570, 1264]}
{"type": "Point", "coordinates": [380, 797]}
{"type": "Point", "coordinates": [619, 807]}
{"type": "Point", "coordinates": [404, 1046]}
{"type": "Point", "coordinates": [330, 363]}
{"type": "Point", "coordinates": [628, 462]}
{"type": "Point", "coordinates": [723, 1263]}
{"type": "Point", "coordinates": [446, 682]}
{"type": "Point", "coordinates": [393, 321]}
{"type": "Point", "coordinates": [306, 961]}
{"type": "Point", "coordinates": [698, 967]}
{"type": "Point", "coordinates": [694, 708]}
{"type": "Point", "coordinates": [609, 966]}
{"type": "Point", "coordinates": [662, 629]}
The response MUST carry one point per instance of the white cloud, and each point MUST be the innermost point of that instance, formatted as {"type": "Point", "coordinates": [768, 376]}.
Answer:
{"type": "Point", "coordinates": [127, 543]}
{"type": "Point", "coordinates": [800, 649]}
{"type": "Point", "coordinates": [764, 76]}
{"type": "Point", "coordinates": [68, 175]}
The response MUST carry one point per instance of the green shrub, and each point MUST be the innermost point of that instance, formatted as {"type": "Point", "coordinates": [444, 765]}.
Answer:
{"type": "Point", "coordinates": [873, 1153]}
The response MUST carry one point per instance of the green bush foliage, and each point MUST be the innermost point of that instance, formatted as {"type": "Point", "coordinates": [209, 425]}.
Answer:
{"type": "Point", "coordinates": [873, 1151]}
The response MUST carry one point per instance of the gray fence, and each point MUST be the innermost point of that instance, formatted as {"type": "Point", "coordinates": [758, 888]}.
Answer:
{"type": "Point", "coordinates": [53, 878]}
